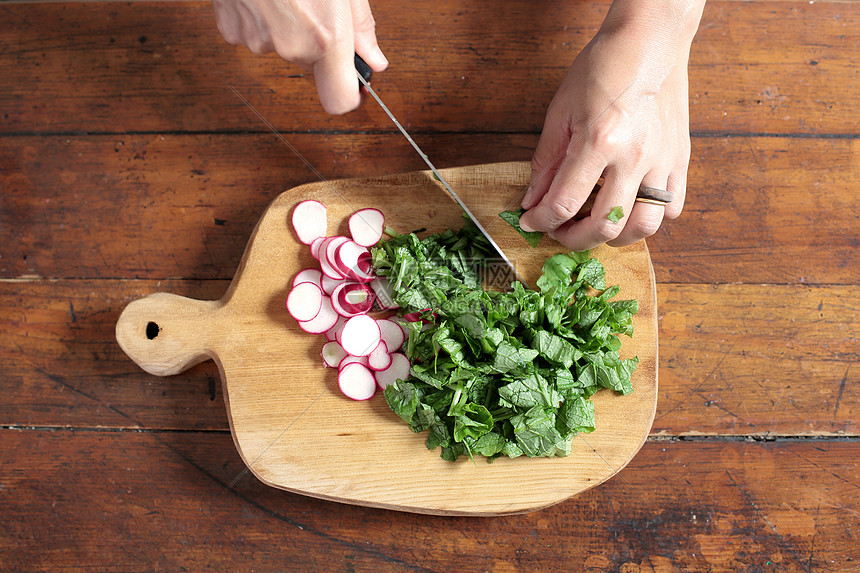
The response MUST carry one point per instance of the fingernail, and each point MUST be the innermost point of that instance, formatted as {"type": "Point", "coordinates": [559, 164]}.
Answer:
{"type": "Point", "coordinates": [380, 56]}
{"type": "Point", "coordinates": [526, 204]}
{"type": "Point", "coordinates": [525, 227]}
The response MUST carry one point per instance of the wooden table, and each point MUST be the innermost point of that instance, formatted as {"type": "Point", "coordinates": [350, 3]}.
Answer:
{"type": "Point", "coordinates": [128, 166]}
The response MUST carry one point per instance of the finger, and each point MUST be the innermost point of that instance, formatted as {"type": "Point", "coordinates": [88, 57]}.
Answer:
{"type": "Point", "coordinates": [598, 227]}
{"type": "Point", "coordinates": [569, 189]}
{"type": "Point", "coordinates": [645, 218]}
{"type": "Point", "coordinates": [366, 44]}
{"type": "Point", "coordinates": [336, 79]}
{"type": "Point", "coordinates": [547, 157]}
{"type": "Point", "coordinates": [228, 22]}
{"type": "Point", "coordinates": [677, 184]}
{"type": "Point", "coordinates": [254, 30]}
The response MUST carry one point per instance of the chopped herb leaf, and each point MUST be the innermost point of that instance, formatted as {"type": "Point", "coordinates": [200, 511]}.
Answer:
{"type": "Point", "coordinates": [616, 214]}
{"type": "Point", "coordinates": [513, 219]}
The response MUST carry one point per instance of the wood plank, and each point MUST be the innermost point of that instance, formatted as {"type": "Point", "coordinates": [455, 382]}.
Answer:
{"type": "Point", "coordinates": [61, 365]}
{"type": "Point", "coordinates": [734, 359]}
{"type": "Point", "coordinates": [103, 500]}
{"type": "Point", "coordinates": [760, 210]}
{"type": "Point", "coordinates": [758, 359]}
{"type": "Point", "coordinates": [761, 67]}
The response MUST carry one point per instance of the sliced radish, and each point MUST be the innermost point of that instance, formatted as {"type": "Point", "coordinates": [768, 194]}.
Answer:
{"type": "Point", "coordinates": [315, 247]}
{"type": "Point", "coordinates": [360, 335]}
{"type": "Point", "coordinates": [399, 370]}
{"type": "Point", "coordinates": [308, 276]}
{"type": "Point", "coordinates": [326, 318]}
{"type": "Point", "coordinates": [356, 381]}
{"type": "Point", "coordinates": [329, 284]}
{"type": "Point", "coordinates": [310, 221]}
{"type": "Point", "coordinates": [304, 301]}
{"type": "Point", "coordinates": [350, 359]}
{"type": "Point", "coordinates": [365, 263]}
{"type": "Point", "coordinates": [327, 269]}
{"type": "Point", "coordinates": [328, 262]}
{"type": "Point", "coordinates": [366, 226]}
{"type": "Point", "coordinates": [379, 359]}
{"type": "Point", "coordinates": [333, 333]}
{"type": "Point", "coordinates": [351, 259]}
{"type": "Point", "coordinates": [384, 293]}
{"type": "Point", "coordinates": [332, 354]}
{"type": "Point", "coordinates": [392, 334]}
{"type": "Point", "coordinates": [350, 299]}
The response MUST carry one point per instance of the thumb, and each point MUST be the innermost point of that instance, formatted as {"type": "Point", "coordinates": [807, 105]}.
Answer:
{"type": "Point", "coordinates": [547, 157]}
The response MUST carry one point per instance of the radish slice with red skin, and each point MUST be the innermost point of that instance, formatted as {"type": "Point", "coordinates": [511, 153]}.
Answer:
{"type": "Point", "coordinates": [327, 269]}
{"type": "Point", "coordinates": [350, 359]}
{"type": "Point", "coordinates": [365, 263]}
{"type": "Point", "coordinates": [356, 381]}
{"type": "Point", "coordinates": [327, 257]}
{"type": "Point", "coordinates": [379, 359]}
{"type": "Point", "coordinates": [360, 335]}
{"type": "Point", "coordinates": [334, 332]}
{"type": "Point", "coordinates": [391, 333]}
{"type": "Point", "coordinates": [326, 318]}
{"type": "Point", "coordinates": [309, 221]}
{"type": "Point", "coordinates": [305, 301]}
{"type": "Point", "coordinates": [399, 370]}
{"type": "Point", "coordinates": [329, 284]}
{"type": "Point", "coordinates": [351, 299]}
{"type": "Point", "coordinates": [308, 276]}
{"type": "Point", "coordinates": [416, 316]}
{"type": "Point", "coordinates": [315, 247]}
{"type": "Point", "coordinates": [332, 354]}
{"type": "Point", "coordinates": [347, 261]}
{"type": "Point", "coordinates": [366, 226]}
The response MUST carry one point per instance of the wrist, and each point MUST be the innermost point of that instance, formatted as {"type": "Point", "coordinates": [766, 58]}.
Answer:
{"type": "Point", "coordinates": [669, 24]}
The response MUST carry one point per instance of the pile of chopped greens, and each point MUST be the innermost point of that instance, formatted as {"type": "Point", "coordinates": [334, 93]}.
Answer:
{"type": "Point", "coordinates": [502, 373]}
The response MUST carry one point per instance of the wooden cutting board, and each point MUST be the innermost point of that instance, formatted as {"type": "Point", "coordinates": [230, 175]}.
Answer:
{"type": "Point", "coordinates": [293, 427]}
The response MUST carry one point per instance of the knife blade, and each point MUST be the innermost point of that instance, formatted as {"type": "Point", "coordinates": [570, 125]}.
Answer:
{"type": "Point", "coordinates": [436, 174]}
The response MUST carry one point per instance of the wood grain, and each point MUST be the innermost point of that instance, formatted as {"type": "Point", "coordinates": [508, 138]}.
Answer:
{"type": "Point", "coordinates": [105, 499]}
{"type": "Point", "coordinates": [760, 210]}
{"type": "Point", "coordinates": [764, 360]}
{"type": "Point", "coordinates": [128, 166]}
{"type": "Point", "coordinates": [297, 432]}
{"type": "Point", "coordinates": [756, 67]}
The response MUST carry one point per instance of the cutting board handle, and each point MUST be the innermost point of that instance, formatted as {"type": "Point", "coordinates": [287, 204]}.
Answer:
{"type": "Point", "coordinates": [165, 334]}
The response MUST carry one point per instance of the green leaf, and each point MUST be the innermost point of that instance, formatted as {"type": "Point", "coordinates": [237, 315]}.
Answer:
{"type": "Point", "coordinates": [532, 390]}
{"type": "Point", "coordinates": [513, 219]}
{"type": "Point", "coordinates": [556, 272]}
{"type": "Point", "coordinates": [577, 415]}
{"type": "Point", "coordinates": [616, 214]}
{"type": "Point", "coordinates": [403, 399]}
{"type": "Point", "coordinates": [537, 435]}
{"type": "Point", "coordinates": [488, 445]}
{"type": "Point", "coordinates": [555, 348]}
{"type": "Point", "coordinates": [473, 420]}
{"type": "Point", "coordinates": [592, 272]}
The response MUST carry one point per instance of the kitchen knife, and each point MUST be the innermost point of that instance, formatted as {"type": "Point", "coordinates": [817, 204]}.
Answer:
{"type": "Point", "coordinates": [363, 72]}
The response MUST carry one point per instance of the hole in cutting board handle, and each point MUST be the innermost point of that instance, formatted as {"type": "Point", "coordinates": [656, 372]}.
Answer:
{"type": "Point", "coordinates": [166, 334]}
{"type": "Point", "coordinates": [152, 330]}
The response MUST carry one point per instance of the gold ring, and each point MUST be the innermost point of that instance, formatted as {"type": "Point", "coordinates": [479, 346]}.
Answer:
{"type": "Point", "coordinates": [651, 201]}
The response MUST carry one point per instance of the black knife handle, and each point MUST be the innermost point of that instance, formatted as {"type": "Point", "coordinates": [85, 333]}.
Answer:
{"type": "Point", "coordinates": [363, 69]}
